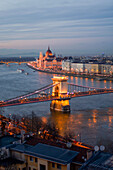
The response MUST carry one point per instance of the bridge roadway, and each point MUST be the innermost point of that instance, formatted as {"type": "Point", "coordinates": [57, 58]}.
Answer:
{"type": "Point", "coordinates": [11, 62]}
{"type": "Point", "coordinates": [19, 60]}
{"type": "Point", "coordinates": [50, 97]}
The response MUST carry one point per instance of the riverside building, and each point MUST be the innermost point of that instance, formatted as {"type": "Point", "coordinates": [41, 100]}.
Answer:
{"type": "Point", "coordinates": [87, 67]}
{"type": "Point", "coordinates": [49, 61]}
{"type": "Point", "coordinates": [77, 67]}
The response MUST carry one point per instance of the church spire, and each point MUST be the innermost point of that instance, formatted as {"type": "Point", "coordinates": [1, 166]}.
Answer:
{"type": "Point", "coordinates": [48, 47]}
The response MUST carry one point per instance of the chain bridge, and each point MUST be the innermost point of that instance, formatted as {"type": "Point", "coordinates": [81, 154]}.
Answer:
{"type": "Point", "coordinates": [59, 93]}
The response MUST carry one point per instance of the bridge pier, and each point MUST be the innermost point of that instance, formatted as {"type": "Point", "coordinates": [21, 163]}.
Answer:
{"type": "Point", "coordinates": [60, 91]}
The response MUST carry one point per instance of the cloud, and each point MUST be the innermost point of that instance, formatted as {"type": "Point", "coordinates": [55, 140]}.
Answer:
{"type": "Point", "coordinates": [59, 29]}
{"type": "Point", "coordinates": [62, 19]}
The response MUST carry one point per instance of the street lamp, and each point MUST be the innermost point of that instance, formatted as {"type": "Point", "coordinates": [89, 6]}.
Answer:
{"type": "Point", "coordinates": [79, 135]}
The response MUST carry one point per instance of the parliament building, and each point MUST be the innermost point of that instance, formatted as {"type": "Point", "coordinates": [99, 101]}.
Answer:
{"type": "Point", "coordinates": [49, 61]}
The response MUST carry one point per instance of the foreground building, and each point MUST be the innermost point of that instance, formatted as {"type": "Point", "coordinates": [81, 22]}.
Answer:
{"type": "Point", "coordinates": [43, 157]}
{"type": "Point", "coordinates": [42, 154]}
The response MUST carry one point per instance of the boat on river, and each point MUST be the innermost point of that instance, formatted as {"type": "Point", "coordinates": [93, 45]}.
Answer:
{"type": "Point", "coordinates": [26, 73]}
{"type": "Point", "coordinates": [20, 70]}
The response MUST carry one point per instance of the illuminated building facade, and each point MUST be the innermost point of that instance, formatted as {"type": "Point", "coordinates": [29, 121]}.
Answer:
{"type": "Point", "coordinates": [91, 68]}
{"type": "Point", "coordinates": [49, 61]}
{"type": "Point", "coordinates": [106, 69]}
{"type": "Point", "coordinates": [77, 67]}
{"type": "Point", "coordinates": [66, 65]}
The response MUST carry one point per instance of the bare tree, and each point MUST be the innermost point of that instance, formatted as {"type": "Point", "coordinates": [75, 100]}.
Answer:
{"type": "Point", "coordinates": [3, 127]}
{"type": "Point", "coordinates": [68, 135]}
{"type": "Point", "coordinates": [53, 131]}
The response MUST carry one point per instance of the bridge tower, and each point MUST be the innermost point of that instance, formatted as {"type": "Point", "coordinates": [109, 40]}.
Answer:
{"type": "Point", "coordinates": [60, 92]}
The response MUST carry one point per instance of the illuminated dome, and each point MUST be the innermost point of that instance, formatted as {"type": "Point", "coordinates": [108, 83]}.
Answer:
{"type": "Point", "coordinates": [48, 52]}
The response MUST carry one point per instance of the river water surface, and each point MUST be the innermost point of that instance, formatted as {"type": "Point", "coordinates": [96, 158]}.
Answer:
{"type": "Point", "coordinates": [91, 117]}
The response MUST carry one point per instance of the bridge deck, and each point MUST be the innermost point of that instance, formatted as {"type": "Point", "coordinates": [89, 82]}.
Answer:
{"type": "Point", "coordinates": [50, 97]}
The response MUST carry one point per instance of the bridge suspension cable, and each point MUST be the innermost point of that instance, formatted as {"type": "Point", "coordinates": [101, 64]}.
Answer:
{"type": "Point", "coordinates": [31, 93]}
{"type": "Point", "coordinates": [87, 86]}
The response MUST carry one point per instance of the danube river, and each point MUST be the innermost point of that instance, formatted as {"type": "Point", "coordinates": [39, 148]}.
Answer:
{"type": "Point", "coordinates": [91, 118]}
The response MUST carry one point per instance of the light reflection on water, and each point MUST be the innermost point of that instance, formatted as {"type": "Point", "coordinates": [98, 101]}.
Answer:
{"type": "Point", "coordinates": [91, 117]}
{"type": "Point", "coordinates": [92, 125]}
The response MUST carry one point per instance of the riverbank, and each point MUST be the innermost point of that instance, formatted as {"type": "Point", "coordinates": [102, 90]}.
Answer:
{"type": "Point", "coordinates": [97, 77]}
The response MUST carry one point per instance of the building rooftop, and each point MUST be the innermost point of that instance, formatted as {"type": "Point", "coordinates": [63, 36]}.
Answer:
{"type": "Point", "coordinates": [7, 140]}
{"type": "Point", "coordinates": [49, 59]}
{"type": "Point", "coordinates": [82, 149]}
{"type": "Point", "coordinates": [100, 161]}
{"type": "Point", "coordinates": [59, 58]}
{"type": "Point", "coordinates": [78, 62]}
{"type": "Point", "coordinates": [51, 153]}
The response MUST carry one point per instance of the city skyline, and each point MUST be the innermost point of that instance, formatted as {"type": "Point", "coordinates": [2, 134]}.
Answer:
{"type": "Point", "coordinates": [68, 27]}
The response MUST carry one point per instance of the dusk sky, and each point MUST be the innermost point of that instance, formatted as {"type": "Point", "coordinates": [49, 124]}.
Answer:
{"type": "Point", "coordinates": [69, 27]}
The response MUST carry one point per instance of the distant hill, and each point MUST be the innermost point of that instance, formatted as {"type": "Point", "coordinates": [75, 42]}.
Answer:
{"type": "Point", "coordinates": [17, 53]}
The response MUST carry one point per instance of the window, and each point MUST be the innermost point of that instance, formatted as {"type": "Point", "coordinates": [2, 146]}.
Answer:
{"type": "Point", "coordinates": [35, 159]}
{"type": "Point", "coordinates": [58, 166]}
{"type": "Point", "coordinates": [23, 168]}
{"type": "Point", "coordinates": [31, 158]}
{"type": "Point", "coordinates": [53, 165]}
{"type": "Point", "coordinates": [42, 167]}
